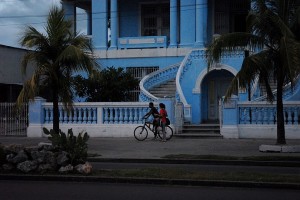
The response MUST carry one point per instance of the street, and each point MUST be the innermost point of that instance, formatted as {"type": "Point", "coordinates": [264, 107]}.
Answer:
{"type": "Point", "coordinates": [37, 190]}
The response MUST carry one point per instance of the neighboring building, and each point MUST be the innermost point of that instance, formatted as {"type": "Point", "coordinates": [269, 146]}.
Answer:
{"type": "Point", "coordinates": [169, 37]}
{"type": "Point", "coordinates": [11, 78]}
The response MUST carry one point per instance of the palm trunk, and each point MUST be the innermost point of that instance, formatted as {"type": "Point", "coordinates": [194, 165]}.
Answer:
{"type": "Point", "coordinates": [55, 111]}
{"type": "Point", "coordinates": [280, 113]}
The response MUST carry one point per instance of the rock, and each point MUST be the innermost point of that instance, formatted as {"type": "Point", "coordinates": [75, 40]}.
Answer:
{"type": "Point", "coordinates": [84, 168]}
{"type": "Point", "coordinates": [66, 169]}
{"type": "Point", "coordinates": [39, 156]}
{"type": "Point", "coordinates": [27, 166]}
{"type": "Point", "coordinates": [31, 149]}
{"type": "Point", "coordinates": [47, 146]}
{"type": "Point", "coordinates": [50, 159]}
{"type": "Point", "coordinates": [42, 168]}
{"type": "Point", "coordinates": [13, 148]}
{"type": "Point", "coordinates": [20, 157]}
{"type": "Point", "coordinates": [63, 158]}
{"type": "Point", "coordinates": [9, 157]}
{"type": "Point", "coordinates": [8, 167]}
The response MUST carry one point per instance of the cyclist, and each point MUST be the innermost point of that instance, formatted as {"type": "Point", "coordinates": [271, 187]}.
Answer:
{"type": "Point", "coordinates": [155, 114]}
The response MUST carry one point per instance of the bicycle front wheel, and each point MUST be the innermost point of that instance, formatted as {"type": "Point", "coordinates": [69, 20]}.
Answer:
{"type": "Point", "coordinates": [140, 133]}
{"type": "Point", "coordinates": [169, 133]}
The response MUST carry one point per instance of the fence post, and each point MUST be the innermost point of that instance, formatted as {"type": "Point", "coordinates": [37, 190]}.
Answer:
{"type": "Point", "coordinates": [178, 117]}
{"type": "Point", "coordinates": [229, 128]}
{"type": "Point", "coordinates": [36, 117]}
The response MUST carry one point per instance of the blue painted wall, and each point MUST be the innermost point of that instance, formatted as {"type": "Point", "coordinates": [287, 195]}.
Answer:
{"type": "Point", "coordinates": [129, 18]}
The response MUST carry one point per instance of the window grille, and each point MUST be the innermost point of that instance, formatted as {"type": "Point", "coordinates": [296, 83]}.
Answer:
{"type": "Point", "coordinates": [139, 73]}
{"type": "Point", "coordinates": [230, 15]}
{"type": "Point", "coordinates": [155, 19]}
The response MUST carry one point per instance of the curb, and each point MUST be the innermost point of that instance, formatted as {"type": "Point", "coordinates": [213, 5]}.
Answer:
{"type": "Point", "coordinates": [214, 183]}
{"type": "Point", "coordinates": [202, 162]}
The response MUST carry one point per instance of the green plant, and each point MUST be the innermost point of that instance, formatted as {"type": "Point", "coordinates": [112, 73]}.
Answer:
{"type": "Point", "coordinates": [75, 146]}
{"type": "Point", "coordinates": [108, 85]}
{"type": "Point", "coordinates": [57, 53]}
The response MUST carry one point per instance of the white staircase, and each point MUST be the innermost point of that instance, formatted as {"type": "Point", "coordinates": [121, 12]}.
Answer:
{"type": "Point", "coordinates": [167, 89]}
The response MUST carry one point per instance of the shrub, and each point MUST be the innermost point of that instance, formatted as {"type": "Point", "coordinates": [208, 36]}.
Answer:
{"type": "Point", "coordinates": [76, 147]}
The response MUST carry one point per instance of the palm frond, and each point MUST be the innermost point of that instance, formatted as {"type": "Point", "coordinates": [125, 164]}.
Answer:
{"type": "Point", "coordinates": [289, 53]}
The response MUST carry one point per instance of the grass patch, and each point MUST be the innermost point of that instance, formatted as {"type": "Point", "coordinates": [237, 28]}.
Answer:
{"type": "Point", "coordinates": [197, 175]}
{"type": "Point", "coordinates": [218, 157]}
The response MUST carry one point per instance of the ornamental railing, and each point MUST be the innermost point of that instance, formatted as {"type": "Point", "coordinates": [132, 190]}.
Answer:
{"type": "Point", "coordinates": [265, 113]}
{"type": "Point", "coordinates": [99, 119]}
{"type": "Point", "coordinates": [288, 91]}
{"type": "Point", "coordinates": [98, 113]}
{"type": "Point", "coordinates": [154, 79]}
{"type": "Point", "coordinates": [13, 121]}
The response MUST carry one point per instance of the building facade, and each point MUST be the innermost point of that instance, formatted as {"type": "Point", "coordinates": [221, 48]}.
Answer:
{"type": "Point", "coordinates": [165, 41]}
{"type": "Point", "coordinates": [11, 78]}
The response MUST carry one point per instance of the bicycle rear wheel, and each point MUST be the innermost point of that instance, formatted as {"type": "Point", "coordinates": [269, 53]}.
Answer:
{"type": "Point", "coordinates": [140, 133]}
{"type": "Point", "coordinates": [169, 133]}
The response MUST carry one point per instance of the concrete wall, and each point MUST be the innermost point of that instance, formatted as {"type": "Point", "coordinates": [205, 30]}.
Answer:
{"type": "Point", "coordinates": [10, 65]}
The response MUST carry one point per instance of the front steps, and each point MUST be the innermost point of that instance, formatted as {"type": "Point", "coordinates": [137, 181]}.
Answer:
{"type": "Point", "coordinates": [200, 131]}
{"type": "Point", "coordinates": [167, 89]}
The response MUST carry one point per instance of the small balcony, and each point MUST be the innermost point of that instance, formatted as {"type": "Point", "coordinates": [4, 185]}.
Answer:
{"type": "Point", "coordinates": [142, 42]}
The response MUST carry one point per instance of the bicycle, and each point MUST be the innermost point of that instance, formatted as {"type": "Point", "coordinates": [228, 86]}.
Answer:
{"type": "Point", "coordinates": [141, 132]}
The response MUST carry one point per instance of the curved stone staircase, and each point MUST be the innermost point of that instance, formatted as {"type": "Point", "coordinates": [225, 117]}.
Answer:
{"type": "Point", "coordinates": [153, 85]}
{"type": "Point", "coordinates": [154, 89]}
{"type": "Point", "coordinates": [164, 90]}
{"type": "Point", "coordinates": [288, 91]}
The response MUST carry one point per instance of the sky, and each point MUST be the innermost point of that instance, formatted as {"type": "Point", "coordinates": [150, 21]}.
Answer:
{"type": "Point", "coordinates": [16, 14]}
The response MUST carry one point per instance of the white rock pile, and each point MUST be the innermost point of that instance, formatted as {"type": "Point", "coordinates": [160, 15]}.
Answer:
{"type": "Point", "coordinates": [40, 159]}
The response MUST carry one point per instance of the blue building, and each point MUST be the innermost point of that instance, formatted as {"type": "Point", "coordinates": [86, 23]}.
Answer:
{"type": "Point", "coordinates": [163, 43]}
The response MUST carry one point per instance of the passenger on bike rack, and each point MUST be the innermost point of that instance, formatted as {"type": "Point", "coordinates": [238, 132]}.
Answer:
{"type": "Point", "coordinates": [155, 114]}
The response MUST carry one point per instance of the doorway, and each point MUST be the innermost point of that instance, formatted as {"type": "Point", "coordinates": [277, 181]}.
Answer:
{"type": "Point", "coordinates": [214, 87]}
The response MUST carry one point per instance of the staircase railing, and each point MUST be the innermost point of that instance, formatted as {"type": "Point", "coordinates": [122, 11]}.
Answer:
{"type": "Point", "coordinates": [156, 78]}
{"type": "Point", "coordinates": [180, 96]}
{"type": "Point", "coordinates": [179, 75]}
{"type": "Point", "coordinates": [287, 91]}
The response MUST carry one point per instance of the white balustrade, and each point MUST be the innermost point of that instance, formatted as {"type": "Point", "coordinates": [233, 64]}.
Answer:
{"type": "Point", "coordinates": [86, 113]}
{"type": "Point", "coordinates": [265, 113]}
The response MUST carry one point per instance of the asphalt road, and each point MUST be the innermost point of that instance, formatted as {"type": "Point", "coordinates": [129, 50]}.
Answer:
{"type": "Point", "coordinates": [36, 190]}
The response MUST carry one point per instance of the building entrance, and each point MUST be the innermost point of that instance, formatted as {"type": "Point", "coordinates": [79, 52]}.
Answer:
{"type": "Point", "coordinates": [214, 87]}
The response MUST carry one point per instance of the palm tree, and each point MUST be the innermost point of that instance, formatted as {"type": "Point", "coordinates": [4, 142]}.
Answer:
{"type": "Point", "coordinates": [57, 54]}
{"type": "Point", "coordinates": [272, 26]}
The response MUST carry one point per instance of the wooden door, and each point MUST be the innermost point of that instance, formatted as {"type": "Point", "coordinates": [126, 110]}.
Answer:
{"type": "Point", "coordinates": [216, 90]}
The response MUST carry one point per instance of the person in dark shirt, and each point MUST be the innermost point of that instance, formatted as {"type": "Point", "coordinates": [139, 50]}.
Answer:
{"type": "Point", "coordinates": [155, 114]}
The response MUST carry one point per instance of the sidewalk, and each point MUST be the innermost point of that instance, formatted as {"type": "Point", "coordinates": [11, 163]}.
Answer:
{"type": "Point", "coordinates": [149, 151]}
{"type": "Point", "coordinates": [129, 148]}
